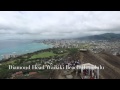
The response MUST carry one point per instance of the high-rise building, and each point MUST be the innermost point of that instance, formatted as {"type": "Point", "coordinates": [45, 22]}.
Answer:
{"type": "Point", "coordinates": [6, 56]}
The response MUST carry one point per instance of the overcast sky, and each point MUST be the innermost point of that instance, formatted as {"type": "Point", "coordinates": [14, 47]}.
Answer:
{"type": "Point", "coordinates": [57, 24]}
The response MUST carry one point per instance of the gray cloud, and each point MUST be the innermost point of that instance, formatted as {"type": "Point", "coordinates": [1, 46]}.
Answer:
{"type": "Point", "coordinates": [57, 24]}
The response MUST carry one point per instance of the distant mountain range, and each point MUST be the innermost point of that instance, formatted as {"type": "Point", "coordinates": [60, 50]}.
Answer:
{"type": "Point", "coordinates": [106, 36]}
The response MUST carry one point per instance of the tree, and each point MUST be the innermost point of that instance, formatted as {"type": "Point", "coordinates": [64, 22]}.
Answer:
{"type": "Point", "coordinates": [73, 51]}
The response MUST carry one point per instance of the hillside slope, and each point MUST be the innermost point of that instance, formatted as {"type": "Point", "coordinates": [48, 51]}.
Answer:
{"type": "Point", "coordinates": [111, 65]}
{"type": "Point", "coordinates": [106, 36]}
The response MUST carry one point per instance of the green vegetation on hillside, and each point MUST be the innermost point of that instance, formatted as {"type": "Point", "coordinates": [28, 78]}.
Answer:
{"type": "Point", "coordinates": [73, 51]}
{"type": "Point", "coordinates": [31, 59]}
{"type": "Point", "coordinates": [43, 55]}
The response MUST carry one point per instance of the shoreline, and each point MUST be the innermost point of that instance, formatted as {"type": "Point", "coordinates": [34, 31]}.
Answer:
{"type": "Point", "coordinates": [50, 46]}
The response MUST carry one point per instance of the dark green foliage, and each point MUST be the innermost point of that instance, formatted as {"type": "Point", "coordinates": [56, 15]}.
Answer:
{"type": "Point", "coordinates": [106, 36]}
{"type": "Point", "coordinates": [73, 51]}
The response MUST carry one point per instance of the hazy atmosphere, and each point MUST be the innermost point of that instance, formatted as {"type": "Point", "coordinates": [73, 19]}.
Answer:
{"type": "Point", "coordinates": [60, 45]}
{"type": "Point", "coordinates": [57, 24]}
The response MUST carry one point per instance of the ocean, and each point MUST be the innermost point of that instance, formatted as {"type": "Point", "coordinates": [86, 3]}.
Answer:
{"type": "Point", "coordinates": [19, 47]}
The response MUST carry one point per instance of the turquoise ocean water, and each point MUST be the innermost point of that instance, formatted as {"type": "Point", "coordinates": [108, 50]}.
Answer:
{"type": "Point", "coordinates": [20, 47]}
